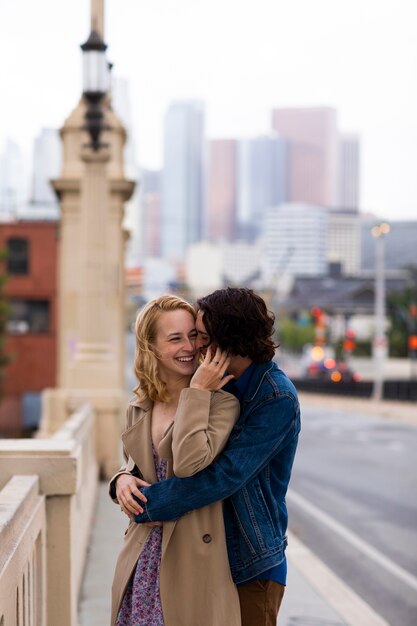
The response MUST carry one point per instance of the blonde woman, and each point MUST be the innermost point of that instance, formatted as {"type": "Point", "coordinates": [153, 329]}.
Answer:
{"type": "Point", "coordinates": [175, 574]}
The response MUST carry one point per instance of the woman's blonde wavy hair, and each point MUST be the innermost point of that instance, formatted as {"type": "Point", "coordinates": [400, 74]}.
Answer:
{"type": "Point", "coordinates": [150, 386]}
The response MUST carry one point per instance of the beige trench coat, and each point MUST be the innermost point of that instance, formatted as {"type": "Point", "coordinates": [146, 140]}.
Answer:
{"type": "Point", "coordinates": [195, 581]}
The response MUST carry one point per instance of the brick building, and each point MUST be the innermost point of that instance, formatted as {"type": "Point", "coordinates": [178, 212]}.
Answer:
{"type": "Point", "coordinates": [31, 290]}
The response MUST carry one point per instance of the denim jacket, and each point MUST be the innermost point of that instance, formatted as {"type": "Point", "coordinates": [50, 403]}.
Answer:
{"type": "Point", "coordinates": [255, 464]}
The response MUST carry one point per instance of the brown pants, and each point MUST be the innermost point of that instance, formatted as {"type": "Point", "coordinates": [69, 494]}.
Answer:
{"type": "Point", "coordinates": [259, 602]}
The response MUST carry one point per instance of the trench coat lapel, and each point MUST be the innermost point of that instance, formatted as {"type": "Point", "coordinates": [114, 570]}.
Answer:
{"type": "Point", "coordinates": [137, 441]}
{"type": "Point", "coordinates": [138, 444]}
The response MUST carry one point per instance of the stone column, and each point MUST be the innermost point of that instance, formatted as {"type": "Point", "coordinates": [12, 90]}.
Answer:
{"type": "Point", "coordinates": [92, 365]}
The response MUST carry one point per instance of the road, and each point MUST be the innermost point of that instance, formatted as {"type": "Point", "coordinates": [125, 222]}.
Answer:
{"type": "Point", "coordinates": [353, 502]}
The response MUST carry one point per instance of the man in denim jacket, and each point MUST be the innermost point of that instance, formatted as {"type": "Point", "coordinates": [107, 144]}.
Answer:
{"type": "Point", "coordinates": [253, 472]}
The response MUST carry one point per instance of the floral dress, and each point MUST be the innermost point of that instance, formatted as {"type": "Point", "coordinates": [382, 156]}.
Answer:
{"type": "Point", "coordinates": [141, 605]}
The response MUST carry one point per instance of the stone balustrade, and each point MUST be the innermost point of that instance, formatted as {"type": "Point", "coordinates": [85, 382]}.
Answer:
{"type": "Point", "coordinates": [22, 553]}
{"type": "Point", "coordinates": [47, 498]}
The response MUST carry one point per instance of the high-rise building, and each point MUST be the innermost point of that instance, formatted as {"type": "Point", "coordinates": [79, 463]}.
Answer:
{"type": "Point", "coordinates": [47, 160]}
{"type": "Point", "coordinates": [349, 172]}
{"type": "Point", "coordinates": [295, 237]}
{"type": "Point", "coordinates": [183, 219]}
{"type": "Point", "coordinates": [344, 240]}
{"type": "Point", "coordinates": [150, 203]}
{"type": "Point", "coordinates": [313, 157]}
{"type": "Point", "coordinates": [221, 189]}
{"type": "Point", "coordinates": [262, 181]}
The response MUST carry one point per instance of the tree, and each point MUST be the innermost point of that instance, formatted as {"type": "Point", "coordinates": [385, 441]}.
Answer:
{"type": "Point", "coordinates": [293, 335]}
{"type": "Point", "coordinates": [403, 322]}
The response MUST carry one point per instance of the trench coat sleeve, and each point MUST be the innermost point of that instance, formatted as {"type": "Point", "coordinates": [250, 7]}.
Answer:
{"type": "Point", "coordinates": [128, 467]}
{"type": "Point", "coordinates": [202, 426]}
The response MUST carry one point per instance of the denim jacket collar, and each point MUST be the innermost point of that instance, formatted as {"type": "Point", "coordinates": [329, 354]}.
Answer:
{"type": "Point", "coordinates": [256, 380]}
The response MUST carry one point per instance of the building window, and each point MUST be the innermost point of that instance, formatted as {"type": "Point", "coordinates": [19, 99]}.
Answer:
{"type": "Point", "coordinates": [31, 411]}
{"type": "Point", "coordinates": [28, 316]}
{"type": "Point", "coordinates": [17, 256]}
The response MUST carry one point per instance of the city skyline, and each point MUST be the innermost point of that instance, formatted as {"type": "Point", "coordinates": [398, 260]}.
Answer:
{"type": "Point", "coordinates": [356, 58]}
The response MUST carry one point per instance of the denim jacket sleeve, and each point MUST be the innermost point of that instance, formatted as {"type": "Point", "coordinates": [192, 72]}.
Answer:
{"type": "Point", "coordinates": [268, 429]}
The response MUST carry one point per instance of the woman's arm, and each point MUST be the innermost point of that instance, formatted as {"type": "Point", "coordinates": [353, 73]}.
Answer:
{"type": "Point", "coordinates": [202, 426]}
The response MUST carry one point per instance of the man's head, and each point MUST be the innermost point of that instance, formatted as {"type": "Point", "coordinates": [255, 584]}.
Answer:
{"type": "Point", "coordinates": [238, 320]}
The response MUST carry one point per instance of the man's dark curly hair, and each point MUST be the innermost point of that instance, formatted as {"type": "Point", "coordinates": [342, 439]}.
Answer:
{"type": "Point", "coordinates": [238, 320]}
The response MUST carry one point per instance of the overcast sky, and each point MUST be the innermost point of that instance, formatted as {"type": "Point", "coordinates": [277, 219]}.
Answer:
{"type": "Point", "coordinates": [242, 57]}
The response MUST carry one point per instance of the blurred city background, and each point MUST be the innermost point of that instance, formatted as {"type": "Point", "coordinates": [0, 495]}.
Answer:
{"type": "Point", "coordinates": [234, 185]}
{"type": "Point", "coordinates": [269, 145]}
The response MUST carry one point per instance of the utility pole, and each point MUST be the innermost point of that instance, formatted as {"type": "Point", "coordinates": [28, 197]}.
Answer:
{"type": "Point", "coordinates": [380, 339]}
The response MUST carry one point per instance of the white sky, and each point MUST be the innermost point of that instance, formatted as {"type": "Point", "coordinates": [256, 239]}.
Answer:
{"type": "Point", "coordinates": [242, 57]}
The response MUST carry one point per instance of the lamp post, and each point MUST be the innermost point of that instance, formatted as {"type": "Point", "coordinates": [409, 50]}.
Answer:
{"type": "Point", "coordinates": [380, 341]}
{"type": "Point", "coordinates": [96, 84]}
{"type": "Point", "coordinates": [93, 344]}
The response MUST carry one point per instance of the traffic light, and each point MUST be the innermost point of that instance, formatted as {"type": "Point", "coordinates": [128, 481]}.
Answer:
{"type": "Point", "coordinates": [412, 329]}
{"type": "Point", "coordinates": [319, 319]}
{"type": "Point", "coordinates": [412, 342]}
{"type": "Point", "coordinates": [349, 343]}
{"type": "Point", "coordinates": [316, 312]}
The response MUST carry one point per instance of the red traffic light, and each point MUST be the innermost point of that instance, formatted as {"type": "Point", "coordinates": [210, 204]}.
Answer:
{"type": "Point", "coordinates": [412, 342]}
{"type": "Point", "coordinates": [349, 345]}
{"type": "Point", "coordinates": [316, 312]}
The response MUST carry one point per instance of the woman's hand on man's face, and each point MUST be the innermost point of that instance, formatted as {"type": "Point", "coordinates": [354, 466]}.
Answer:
{"type": "Point", "coordinates": [210, 374]}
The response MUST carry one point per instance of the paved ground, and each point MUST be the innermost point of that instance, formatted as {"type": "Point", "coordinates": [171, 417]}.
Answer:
{"type": "Point", "coordinates": [314, 596]}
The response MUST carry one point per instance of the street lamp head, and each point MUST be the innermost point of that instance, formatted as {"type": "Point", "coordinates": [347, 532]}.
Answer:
{"type": "Point", "coordinates": [96, 83]}
{"type": "Point", "coordinates": [381, 229]}
{"type": "Point", "coordinates": [96, 73]}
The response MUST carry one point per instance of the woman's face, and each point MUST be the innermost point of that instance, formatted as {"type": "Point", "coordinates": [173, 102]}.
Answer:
{"type": "Point", "coordinates": [175, 343]}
